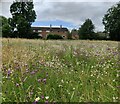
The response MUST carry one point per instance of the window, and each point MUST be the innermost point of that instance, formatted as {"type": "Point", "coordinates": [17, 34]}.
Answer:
{"type": "Point", "coordinates": [39, 30]}
{"type": "Point", "coordinates": [47, 30]}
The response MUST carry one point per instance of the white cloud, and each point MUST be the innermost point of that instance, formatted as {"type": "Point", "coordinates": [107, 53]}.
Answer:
{"type": "Point", "coordinates": [63, 0]}
{"type": "Point", "coordinates": [74, 12]}
{"type": "Point", "coordinates": [76, 0]}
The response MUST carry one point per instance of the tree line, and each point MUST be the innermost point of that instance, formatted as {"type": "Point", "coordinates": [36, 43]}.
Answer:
{"type": "Point", "coordinates": [87, 31]}
{"type": "Point", "coordinates": [23, 15]}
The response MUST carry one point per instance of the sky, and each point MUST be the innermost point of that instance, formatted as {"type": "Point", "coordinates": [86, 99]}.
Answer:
{"type": "Point", "coordinates": [68, 13]}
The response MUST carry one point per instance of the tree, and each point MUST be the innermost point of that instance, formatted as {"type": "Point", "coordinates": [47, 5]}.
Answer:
{"type": "Point", "coordinates": [69, 35]}
{"type": "Point", "coordinates": [74, 31]}
{"type": "Point", "coordinates": [74, 34]}
{"type": "Point", "coordinates": [5, 27]}
{"type": "Point", "coordinates": [86, 31]}
{"type": "Point", "coordinates": [22, 17]}
{"type": "Point", "coordinates": [101, 35]}
{"type": "Point", "coordinates": [111, 22]}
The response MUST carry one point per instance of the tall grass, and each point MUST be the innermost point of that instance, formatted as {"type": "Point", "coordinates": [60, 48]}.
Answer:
{"type": "Point", "coordinates": [59, 71]}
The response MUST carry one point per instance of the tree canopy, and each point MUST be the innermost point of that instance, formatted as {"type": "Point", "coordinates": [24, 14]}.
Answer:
{"type": "Point", "coordinates": [5, 27]}
{"type": "Point", "coordinates": [111, 21]}
{"type": "Point", "coordinates": [86, 31]}
{"type": "Point", "coordinates": [23, 15]}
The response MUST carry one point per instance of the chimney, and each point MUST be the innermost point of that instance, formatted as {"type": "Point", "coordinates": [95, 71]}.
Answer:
{"type": "Point", "coordinates": [50, 26]}
{"type": "Point", "coordinates": [60, 26]}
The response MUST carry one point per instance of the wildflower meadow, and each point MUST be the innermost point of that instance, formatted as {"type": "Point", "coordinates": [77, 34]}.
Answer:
{"type": "Point", "coordinates": [60, 71]}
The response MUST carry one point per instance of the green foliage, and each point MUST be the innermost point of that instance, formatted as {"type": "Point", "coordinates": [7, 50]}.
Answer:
{"type": "Point", "coordinates": [54, 36]}
{"type": "Point", "coordinates": [86, 31]}
{"type": "Point", "coordinates": [22, 17]}
{"type": "Point", "coordinates": [5, 27]}
{"type": "Point", "coordinates": [34, 36]}
{"type": "Point", "coordinates": [101, 36]}
{"type": "Point", "coordinates": [111, 21]}
{"type": "Point", "coordinates": [74, 32]}
{"type": "Point", "coordinates": [69, 35]}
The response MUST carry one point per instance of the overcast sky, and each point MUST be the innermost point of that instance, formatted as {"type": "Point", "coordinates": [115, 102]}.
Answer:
{"type": "Point", "coordinates": [71, 14]}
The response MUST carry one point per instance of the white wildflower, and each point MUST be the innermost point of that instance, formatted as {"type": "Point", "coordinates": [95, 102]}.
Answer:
{"type": "Point", "coordinates": [47, 97]}
{"type": "Point", "coordinates": [37, 99]}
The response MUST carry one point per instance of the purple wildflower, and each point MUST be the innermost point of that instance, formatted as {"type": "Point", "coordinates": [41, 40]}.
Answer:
{"type": "Point", "coordinates": [42, 97]}
{"type": "Point", "coordinates": [33, 72]}
{"type": "Point", "coordinates": [9, 72]}
{"type": "Point", "coordinates": [46, 102]}
{"type": "Point", "coordinates": [44, 80]}
{"type": "Point", "coordinates": [39, 80]}
{"type": "Point", "coordinates": [17, 84]}
{"type": "Point", "coordinates": [115, 53]}
{"type": "Point", "coordinates": [34, 102]}
{"type": "Point", "coordinates": [31, 93]}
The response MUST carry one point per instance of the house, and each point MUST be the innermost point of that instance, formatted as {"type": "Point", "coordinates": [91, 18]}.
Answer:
{"type": "Point", "coordinates": [44, 31]}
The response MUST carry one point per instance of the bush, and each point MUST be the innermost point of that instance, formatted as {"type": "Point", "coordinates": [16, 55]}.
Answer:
{"type": "Point", "coordinates": [34, 36]}
{"type": "Point", "coordinates": [101, 36]}
{"type": "Point", "coordinates": [54, 36]}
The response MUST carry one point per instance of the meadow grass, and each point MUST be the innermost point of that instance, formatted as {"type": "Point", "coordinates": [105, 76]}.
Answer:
{"type": "Point", "coordinates": [59, 71]}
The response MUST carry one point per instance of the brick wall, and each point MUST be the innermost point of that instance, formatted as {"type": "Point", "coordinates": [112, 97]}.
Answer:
{"type": "Point", "coordinates": [46, 31]}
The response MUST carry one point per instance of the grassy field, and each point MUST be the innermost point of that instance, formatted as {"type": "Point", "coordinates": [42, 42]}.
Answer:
{"type": "Point", "coordinates": [59, 71]}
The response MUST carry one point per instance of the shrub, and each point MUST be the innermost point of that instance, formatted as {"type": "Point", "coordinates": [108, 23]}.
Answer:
{"type": "Point", "coordinates": [54, 36]}
{"type": "Point", "coordinates": [33, 36]}
{"type": "Point", "coordinates": [101, 36]}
